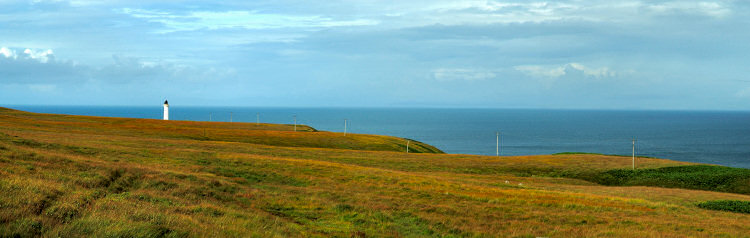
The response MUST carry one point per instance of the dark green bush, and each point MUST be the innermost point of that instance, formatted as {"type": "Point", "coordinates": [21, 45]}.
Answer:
{"type": "Point", "coordinates": [727, 205]}
{"type": "Point", "coordinates": [701, 177]}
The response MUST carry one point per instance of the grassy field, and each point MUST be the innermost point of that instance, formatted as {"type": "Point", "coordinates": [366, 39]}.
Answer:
{"type": "Point", "coordinates": [70, 176]}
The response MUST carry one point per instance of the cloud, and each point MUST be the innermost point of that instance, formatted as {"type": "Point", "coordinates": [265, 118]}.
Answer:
{"type": "Point", "coordinates": [602, 72]}
{"type": "Point", "coordinates": [541, 71]}
{"type": "Point", "coordinates": [131, 69]}
{"type": "Point", "coordinates": [41, 71]}
{"type": "Point", "coordinates": [461, 74]}
{"type": "Point", "coordinates": [8, 53]}
{"type": "Point", "coordinates": [213, 20]}
{"type": "Point", "coordinates": [484, 12]}
{"type": "Point", "coordinates": [711, 9]}
{"type": "Point", "coordinates": [556, 71]}
{"type": "Point", "coordinates": [35, 66]}
{"type": "Point", "coordinates": [491, 12]}
{"type": "Point", "coordinates": [43, 56]}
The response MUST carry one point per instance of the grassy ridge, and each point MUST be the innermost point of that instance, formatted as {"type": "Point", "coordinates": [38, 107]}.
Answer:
{"type": "Point", "coordinates": [262, 133]}
{"type": "Point", "coordinates": [72, 176]}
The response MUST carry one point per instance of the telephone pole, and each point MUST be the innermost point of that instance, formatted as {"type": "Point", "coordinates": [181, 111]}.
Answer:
{"type": "Point", "coordinates": [497, 144]}
{"type": "Point", "coordinates": [407, 146]}
{"type": "Point", "coordinates": [633, 153]}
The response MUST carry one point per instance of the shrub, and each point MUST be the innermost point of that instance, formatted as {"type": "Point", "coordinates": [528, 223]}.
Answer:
{"type": "Point", "coordinates": [702, 177]}
{"type": "Point", "coordinates": [727, 205]}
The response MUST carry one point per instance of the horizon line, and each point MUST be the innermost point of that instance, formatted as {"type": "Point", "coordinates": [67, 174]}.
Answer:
{"type": "Point", "coordinates": [392, 107]}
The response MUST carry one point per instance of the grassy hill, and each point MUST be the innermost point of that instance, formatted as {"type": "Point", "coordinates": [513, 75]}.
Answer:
{"type": "Point", "coordinates": [72, 176]}
{"type": "Point", "coordinates": [262, 133]}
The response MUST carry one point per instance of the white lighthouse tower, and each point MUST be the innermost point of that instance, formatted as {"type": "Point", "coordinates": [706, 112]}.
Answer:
{"type": "Point", "coordinates": [166, 110]}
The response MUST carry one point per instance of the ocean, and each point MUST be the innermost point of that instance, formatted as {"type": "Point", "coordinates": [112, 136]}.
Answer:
{"type": "Point", "coordinates": [714, 137]}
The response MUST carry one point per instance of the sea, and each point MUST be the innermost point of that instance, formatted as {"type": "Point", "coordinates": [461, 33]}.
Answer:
{"type": "Point", "coordinates": [714, 137]}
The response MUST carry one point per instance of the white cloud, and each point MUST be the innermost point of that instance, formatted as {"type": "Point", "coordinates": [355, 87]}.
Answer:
{"type": "Point", "coordinates": [42, 56]}
{"type": "Point", "coordinates": [541, 71]}
{"type": "Point", "coordinates": [8, 53]}
{"type": "Point", "coordinates": [212, 20]}
{"type": "Point", "coordinates": [477, 12]}
{"type": "Point", "coordinates": [602, 72]}
{"type": "Point", "coordinates": [712, 9]}
{"type": "Point", "coordinates": [461, 74]}
{"type": "Point", "coordinates": [41, 71]}
{"type": "Point", "coordinates": [488, 12]}
{"type": "Point", "coordinates": [33, 66]}
{"type": "Point", "coordinates": [556, 71]}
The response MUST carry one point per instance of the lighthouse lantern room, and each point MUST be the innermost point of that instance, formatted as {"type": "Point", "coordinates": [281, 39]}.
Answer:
{"type": "Point", "coordinates": [166, 110]}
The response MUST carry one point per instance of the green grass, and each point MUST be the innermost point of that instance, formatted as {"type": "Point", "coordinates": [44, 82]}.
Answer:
{"type": "Point", "coordinates": [576, 153]}
{"type": "Point", "coordinates": [588, 153]}
{"type": "Point", "coordinates": [703, 177]}
{"type": "Point", "coordinates": [74, 176]}
{"type": "Point", "coordinates": [727, 205]}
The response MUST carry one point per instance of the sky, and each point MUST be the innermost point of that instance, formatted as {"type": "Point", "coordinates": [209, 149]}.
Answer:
{"type": "Point", "coordinates": [570, 54]}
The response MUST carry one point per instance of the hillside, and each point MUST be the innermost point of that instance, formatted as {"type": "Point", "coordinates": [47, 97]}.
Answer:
{"type": "Point", "coordinates": [262, 133]}
{"type": "Point", "coordinates": [72, 176]}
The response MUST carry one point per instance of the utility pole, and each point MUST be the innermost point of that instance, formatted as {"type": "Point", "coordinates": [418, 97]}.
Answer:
{"type": "Point", "coordinates": [497, 144]}
{"type": "Point", "coordinates": [295, 123]}
{"type": "Point", "coordinates": [407, 146]}
{"type": "Point", "coordinates": [633, 153]}
{"type": "Point", "coordinates": [344, 127]}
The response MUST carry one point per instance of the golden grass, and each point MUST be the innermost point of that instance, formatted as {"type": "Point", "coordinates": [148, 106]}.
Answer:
{"type": "Point", "coordinates": [93, 176]}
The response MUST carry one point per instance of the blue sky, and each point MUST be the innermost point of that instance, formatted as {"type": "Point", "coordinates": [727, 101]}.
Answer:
{"type": "Point", "coordinates": [584, 54]}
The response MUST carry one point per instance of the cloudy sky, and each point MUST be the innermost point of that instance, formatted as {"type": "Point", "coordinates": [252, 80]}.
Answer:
{"type": "Point", "coordinates": [588, 54]}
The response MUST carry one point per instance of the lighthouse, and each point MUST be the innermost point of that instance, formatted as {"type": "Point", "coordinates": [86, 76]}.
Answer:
{"type": "Point", "coordinates": [166, 110]}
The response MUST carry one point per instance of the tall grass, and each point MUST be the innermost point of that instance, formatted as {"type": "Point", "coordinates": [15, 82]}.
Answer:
{"type": "Point", "coordinates": [72, 176]}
